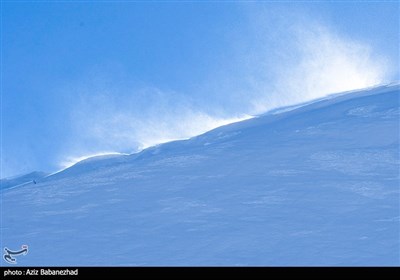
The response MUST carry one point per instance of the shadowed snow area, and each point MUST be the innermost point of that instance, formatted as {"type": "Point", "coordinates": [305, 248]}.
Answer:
{"type": "Point", "coordinates": [316, 184]}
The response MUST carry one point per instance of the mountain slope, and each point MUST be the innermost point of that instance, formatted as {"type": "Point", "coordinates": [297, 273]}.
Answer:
{"type": "Point", "coordinates": [313, 185]}
{"type": "Point", "coordinates": [21, 180]}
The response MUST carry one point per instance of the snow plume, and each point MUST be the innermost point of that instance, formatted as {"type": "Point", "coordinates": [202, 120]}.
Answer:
{"type": "Point", "coordinates": [276, 58]}
{"type": "Point", "coordinates": [291, 56]}
{"type": "Point", "coordinates": [70, 161]}
{"type": "Point", "coordinates": [128, 121]}
{"type": "Point", "coordinates": [144, 118]}
{"type": "Point", "coordinates": [323, 63]}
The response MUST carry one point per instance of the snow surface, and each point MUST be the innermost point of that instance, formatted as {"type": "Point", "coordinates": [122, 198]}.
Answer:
{"type": "Point", "coordinates": [311, 185]}
{"type": "Point", "coordinates": [17, 181]}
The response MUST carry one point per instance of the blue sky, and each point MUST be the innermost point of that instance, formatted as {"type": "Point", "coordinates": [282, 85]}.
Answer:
{"type": "Point", "coordinates": [84, 78]}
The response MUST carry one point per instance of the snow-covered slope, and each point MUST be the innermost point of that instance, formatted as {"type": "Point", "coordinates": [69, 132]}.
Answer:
{"type": "Point", "coordinates": [316, 184]}
{"type": "Point", "coordinates": [18, 181]}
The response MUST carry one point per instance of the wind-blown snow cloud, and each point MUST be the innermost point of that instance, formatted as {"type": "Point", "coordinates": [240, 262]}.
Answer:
{"type": "Point", "coordinates": [282, 59]}
{"type": "Point", "coordinates": [290, 56]}
{"type": "Point", "coordinates": [320, 63]}
{"type": "Point", "coordinates": [133, 120]}
{"type": "Point", "coordinates": [142, 119]}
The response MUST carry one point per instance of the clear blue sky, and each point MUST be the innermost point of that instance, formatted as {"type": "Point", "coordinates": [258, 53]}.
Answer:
{"type": "Point", "coordinates": [81, 78]}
